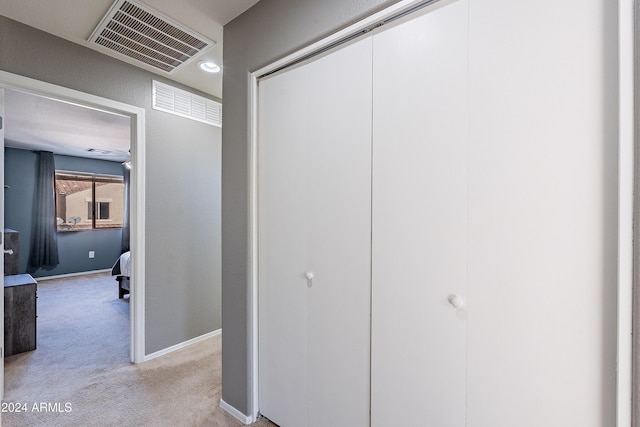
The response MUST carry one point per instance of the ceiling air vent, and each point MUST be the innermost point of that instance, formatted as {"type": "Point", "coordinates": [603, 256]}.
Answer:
{"type": "Point", "coordinates": [185, 104]}
{"type": "Point", "coordinates": [98, 151]}
{"type": "Point", "coordinates": [141, 33]}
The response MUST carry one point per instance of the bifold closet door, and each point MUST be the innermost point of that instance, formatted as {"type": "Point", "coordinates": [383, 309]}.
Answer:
{"type": "Point", "coordinates": [315, 241]}
{"type": "Point", "coordinates": [420, 220]}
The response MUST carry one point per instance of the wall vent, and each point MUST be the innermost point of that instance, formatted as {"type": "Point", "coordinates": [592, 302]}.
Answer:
{"type": "Point", "coordinates": [185, 104]}
{"type": "Point", "coordinates": [98, 151]}
{"type": "Point", "coordinates": [143, 34]}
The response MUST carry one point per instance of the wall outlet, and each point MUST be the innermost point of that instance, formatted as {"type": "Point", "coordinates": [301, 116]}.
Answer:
{"type": "Point", "coordinates": [92, 254]}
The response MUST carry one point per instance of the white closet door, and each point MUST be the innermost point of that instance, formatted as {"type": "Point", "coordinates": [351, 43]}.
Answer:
{"type": "Point", "coordinates": [339, 300]}
{"type": "Point", "coordinates": [282, 248]}
{"type": "Point", "coordinates": [315, 217]}
{"type": "Point", "coordinates": [543, 206]}
{"type": "Point", "coordinates": [420, 220]}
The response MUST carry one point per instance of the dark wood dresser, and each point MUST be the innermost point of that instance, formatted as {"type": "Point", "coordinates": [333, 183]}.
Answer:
{"type": "Point", "coordinates": [20, 294]}
{"type": "Point", "coordinates": [12, 244]}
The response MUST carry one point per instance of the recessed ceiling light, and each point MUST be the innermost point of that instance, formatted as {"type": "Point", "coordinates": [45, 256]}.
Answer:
{"type": "Point", "coordinates": [209, 67]}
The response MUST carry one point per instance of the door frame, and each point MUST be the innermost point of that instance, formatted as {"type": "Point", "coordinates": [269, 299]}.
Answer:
{"type": "Point", "coordinates": [2, 239]}
{"type": "Point", "coordinates": [625, 195]}
{"type": "Point", "coordinates": [626, 129]}
{"type": "Point", "coordinates": [138, 161]}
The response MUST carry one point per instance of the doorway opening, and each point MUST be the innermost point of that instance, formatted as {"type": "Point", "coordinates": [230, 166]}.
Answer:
{"type": "Point", "coordinates": [135, 117]}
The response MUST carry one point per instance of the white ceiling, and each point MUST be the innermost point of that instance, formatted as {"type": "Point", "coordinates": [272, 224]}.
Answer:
{"type": "Point", "coordinates": [75, 20]}
{"type": "Point", "coordinates": [41, 124]}
{"type": "Point", "coordinates": [37, 123]}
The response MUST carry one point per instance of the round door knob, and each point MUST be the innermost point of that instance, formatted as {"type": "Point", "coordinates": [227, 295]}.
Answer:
{"type": "Point", "coordinates": [309, 276]}
{"type": "Point", "coordinates": [456, 301]}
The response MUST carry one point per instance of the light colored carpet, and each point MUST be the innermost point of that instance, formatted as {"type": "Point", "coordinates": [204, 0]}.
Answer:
{"type": "Point", "coordinates": [82, 363]}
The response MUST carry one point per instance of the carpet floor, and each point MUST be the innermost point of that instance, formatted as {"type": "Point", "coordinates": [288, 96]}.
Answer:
{"type": "Point", "coordinates": [80, 374]}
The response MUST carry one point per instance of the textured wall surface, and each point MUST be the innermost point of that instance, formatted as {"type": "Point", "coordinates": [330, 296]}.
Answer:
{"type": "Point", "coordinates": [268, 31]}
{"type": "Point", "coordinates": [182, 224]}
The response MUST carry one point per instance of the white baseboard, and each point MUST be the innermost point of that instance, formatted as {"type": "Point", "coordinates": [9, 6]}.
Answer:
{"type": "Point", "coordinates": [244, 419]}
{"type": "Point", "coordinates": [182, 345]}
{"type": "Point", "coordinates": [81, 273]}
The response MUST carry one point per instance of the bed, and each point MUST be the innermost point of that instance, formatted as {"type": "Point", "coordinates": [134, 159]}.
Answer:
{"type": "Point", "coordinates": [122, 272]}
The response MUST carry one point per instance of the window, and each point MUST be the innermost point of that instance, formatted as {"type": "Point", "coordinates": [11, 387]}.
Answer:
{"type": "Point", "coordinates": [86, 201]}
{"type": "Point", "coordinates": [102, 210]}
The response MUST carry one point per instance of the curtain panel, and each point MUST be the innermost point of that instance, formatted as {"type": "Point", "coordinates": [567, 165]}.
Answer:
{"type": "Point", "coordinates": [44, 243]}
{"type": "Point", "coordinates": [126, 228]}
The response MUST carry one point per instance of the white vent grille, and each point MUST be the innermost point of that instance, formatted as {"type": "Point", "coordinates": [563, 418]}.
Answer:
{"type": "Point", "coordinates": [185, 104]}
{"type": "Point", "coordinates": [141, 33]}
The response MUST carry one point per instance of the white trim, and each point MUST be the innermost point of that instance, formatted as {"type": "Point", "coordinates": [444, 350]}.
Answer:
{"type": "Point", "coordinates": [183, 344]}
{"type": "Point", "coordinates": [244, 419]}
{"type": "Point", "coordinates": [71, 96]}
{"type": "Point", "coordinates": [253, 355]}
{"type": "Point", "coordinates": [358, 26]}
{"type": "Point", "coordinates": [253, 247]}
{"type": "Point", "coordinates": [625, 210]}
{"type": "Point", "coordinates": [137, 240]}
{"type": "Point", "coordinates": [80, 273]}
{"type": "Point", "coordinates": [138, 159]}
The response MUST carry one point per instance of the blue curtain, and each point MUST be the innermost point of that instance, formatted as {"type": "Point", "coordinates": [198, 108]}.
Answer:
{"type": "Point", "coordinates": [126, 173]}
{"type": "Point", "coordinates": [44, 243]}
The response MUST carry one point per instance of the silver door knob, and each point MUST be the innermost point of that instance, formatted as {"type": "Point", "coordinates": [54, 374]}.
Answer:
{"type": "Point", "coordinates": [8, 251]}
{"type": "Point", "coordinates": [309, 276]}
{"type": "Point", "coordinates": [456, 301]}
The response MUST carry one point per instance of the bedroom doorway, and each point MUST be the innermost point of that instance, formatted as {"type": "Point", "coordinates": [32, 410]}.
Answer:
{"type": "Point", "coordinates": [135, 115]}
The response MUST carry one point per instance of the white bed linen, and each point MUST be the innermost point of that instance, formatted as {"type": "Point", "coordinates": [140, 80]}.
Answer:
{"type": "Point", "coordinates": [125, 264]}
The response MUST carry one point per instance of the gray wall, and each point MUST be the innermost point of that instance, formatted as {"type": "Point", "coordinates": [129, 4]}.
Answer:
{"type": "Point", "coordinates": [182, 181]}
{"type": "Point", "coordinates": [74, 247]}
{"type": "Point", "coordinates": [268, 31]}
